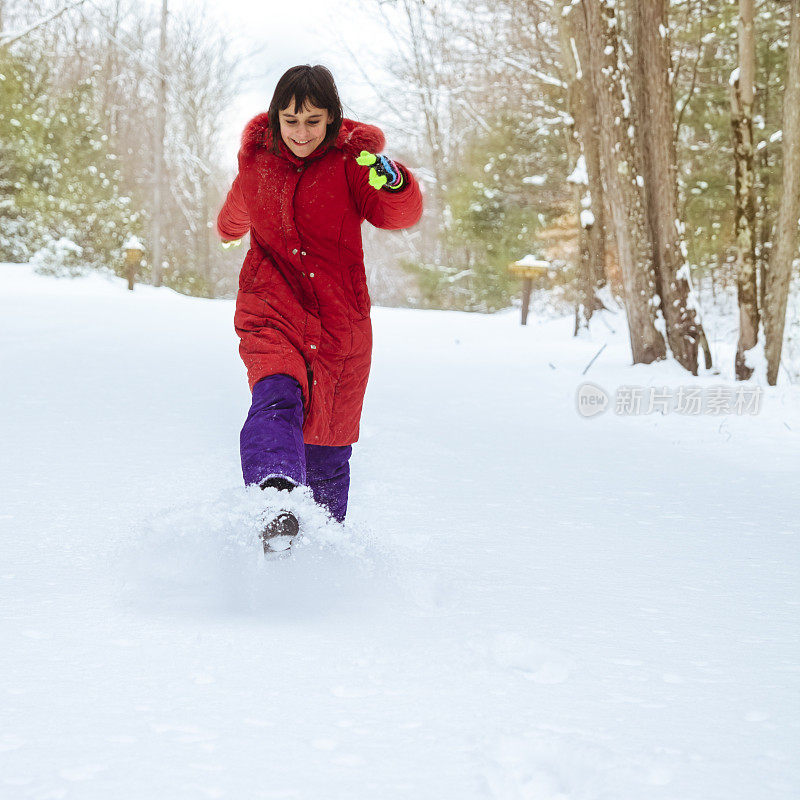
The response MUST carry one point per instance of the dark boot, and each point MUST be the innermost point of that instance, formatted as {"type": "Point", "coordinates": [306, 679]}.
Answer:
{"type": "Point", "coordinates": [280, 531]}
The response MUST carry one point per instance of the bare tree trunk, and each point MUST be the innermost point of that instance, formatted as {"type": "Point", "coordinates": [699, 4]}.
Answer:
{"type": "Point", "coordinates": [784, 246]}
{"type": "Point", "coordinates": [422, 66]}
{"type": "Point", "coordinates": [656, 137]}
{"type": "Point", "coordinates": [590, 127]}
{"type": "Point", "coordinates": [204, 256]}
{"type": "Point", "coordinates": [764, 167]}
{"type": "Point", "coordinates": [109, 63]}
{"type": "Point", "coordinates": [742, 121]}
{"type": "Point", "coordinates": [583, 143]}
{"type": "Point", "coordinates": [621, 183]}
{"type": "Point", "coordinates": [158, 149]}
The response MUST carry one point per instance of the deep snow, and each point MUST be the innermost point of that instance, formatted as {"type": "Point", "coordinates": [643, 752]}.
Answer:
{"type": "Point", "coordinates": [523, 603]}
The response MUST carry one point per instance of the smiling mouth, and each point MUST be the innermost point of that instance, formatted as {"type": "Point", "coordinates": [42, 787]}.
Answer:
{"type": "Point", "coordinates": [301, 143]}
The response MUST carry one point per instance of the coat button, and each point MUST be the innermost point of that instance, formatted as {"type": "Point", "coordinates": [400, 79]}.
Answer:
{"type": "Point", "coordinates": [294, 252]}
{"type": "Point", "coordinates": [303, 274]}
{"type": "Point", "coordinates": [310, 274]}
{"type": "Point", "coordinates": [299, 169]}
{"type": "Point", "coordinates": [313, 346]}
{"type": "Point", "coordinates": [302, 252]}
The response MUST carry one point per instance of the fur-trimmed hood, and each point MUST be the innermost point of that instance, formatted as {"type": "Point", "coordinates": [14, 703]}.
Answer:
{"type": "Point", "coordinates": [352, 139]}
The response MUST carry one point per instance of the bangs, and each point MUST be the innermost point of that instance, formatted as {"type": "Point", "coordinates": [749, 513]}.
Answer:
{"type": "Point", "coordinates": [301, 100]}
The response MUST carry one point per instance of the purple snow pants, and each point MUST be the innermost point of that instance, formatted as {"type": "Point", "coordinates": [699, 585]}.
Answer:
{"type": "Point", "coordinates": [272, 446]}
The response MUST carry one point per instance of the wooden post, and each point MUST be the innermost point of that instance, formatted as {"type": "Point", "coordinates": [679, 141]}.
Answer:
{"type": "Point", "coordinates": [131, 263]}
{"type": "Point", "coordinates": [527, 285]}
{"type": "Point", "coordinates": [134, 252]}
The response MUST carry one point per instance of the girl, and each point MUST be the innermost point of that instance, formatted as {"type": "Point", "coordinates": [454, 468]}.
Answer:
{"type": "Point", "coordinates": [307, 180]}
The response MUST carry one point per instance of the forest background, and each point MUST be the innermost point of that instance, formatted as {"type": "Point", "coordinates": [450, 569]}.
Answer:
{"type": "Point", "coordinates": [530, 123]}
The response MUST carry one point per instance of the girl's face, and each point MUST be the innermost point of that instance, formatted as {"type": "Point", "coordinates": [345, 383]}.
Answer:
{"type": "Point", "coordinates": [304, 131]}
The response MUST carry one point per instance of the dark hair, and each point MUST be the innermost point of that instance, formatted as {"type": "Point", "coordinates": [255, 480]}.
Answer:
{"type": "Point", "coordinates": [305, 83]}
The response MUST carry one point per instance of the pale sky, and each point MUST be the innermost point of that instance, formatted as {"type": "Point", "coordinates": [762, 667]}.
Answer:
{"type": "Point", "coordinates": [284, 34]}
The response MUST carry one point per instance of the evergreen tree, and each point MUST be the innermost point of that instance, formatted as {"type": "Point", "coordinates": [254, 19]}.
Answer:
{"type": "Point", "coordinates": [496, 201]}
{"type": "Point", "coordinates": [21, 124]}
{"type": "Point", "coordinates": [59, 180]}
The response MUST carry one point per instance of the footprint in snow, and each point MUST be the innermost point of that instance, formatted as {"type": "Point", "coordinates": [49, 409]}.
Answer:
{"type": "Point", "coordinates": [532, 660]}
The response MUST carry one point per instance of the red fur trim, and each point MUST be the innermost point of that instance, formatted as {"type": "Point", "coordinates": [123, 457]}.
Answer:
{"type": "Point", "coordinates": [357, 136]}
{"type": "Point", "coordinates": [256, 134]}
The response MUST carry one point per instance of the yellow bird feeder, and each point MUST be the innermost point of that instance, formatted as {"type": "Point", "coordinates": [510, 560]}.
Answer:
{"type": "Point", "coordinates": [529, 268]}
{"type": "Point", "coordinates": [134, 252]}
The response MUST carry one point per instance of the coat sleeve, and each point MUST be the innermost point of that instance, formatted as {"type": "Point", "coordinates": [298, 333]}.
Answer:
{"type": "Point", "coordinates": [390, 210]}
{"type": "Point", "coordinates": [233, 221]}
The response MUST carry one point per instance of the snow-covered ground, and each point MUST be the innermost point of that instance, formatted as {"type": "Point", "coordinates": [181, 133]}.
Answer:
{"type": "Point", "coordinates": [524, 603]}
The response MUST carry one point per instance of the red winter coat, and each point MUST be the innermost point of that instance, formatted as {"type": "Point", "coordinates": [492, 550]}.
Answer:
{"type": "Point", "coordinates": [303, 305]}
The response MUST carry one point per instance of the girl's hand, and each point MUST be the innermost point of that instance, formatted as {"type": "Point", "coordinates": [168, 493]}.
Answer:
{"type": "Point", "coordinates": [228, 245]}
{"type": "Point", "coordinates": [383, 172]}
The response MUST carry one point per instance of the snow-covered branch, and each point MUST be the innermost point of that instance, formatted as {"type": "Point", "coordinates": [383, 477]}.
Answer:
{"type": "Point", "coordinates": [9, 37]}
